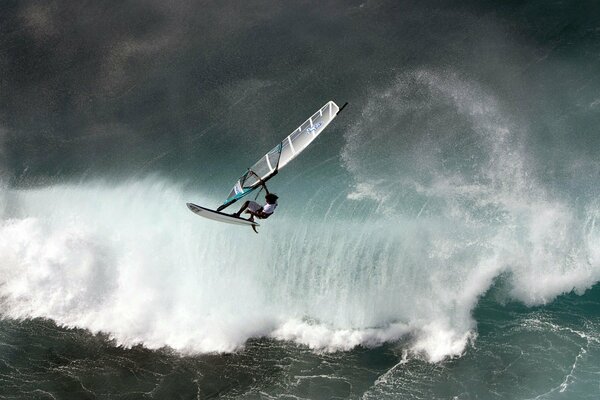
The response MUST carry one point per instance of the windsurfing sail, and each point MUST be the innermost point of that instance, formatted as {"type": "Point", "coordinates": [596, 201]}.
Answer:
{"type": "Point", "coordinates": [285, 151]}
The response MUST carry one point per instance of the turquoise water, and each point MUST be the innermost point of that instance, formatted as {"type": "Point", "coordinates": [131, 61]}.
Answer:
{"type": "Point", "coordinates": [439, 240]}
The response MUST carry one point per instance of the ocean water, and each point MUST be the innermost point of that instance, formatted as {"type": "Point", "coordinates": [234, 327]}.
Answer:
{"type": "Point", "coordinates": [439, 240]}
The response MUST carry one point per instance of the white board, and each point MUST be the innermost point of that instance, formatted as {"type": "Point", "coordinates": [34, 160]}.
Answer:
{"type": "Point", "coordinates": [219, 216]}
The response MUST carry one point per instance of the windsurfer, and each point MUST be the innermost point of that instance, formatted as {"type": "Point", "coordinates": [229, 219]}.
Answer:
{"type": "Point", "coordinates": [256, 210]}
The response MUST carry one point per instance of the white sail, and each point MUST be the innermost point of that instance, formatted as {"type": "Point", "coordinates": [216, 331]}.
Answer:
{"type": "Point", "coordinates": [284, 152]}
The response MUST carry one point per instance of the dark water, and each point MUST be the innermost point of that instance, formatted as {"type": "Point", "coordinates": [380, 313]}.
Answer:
{"type": "Point", "coordinates": [439, 240]}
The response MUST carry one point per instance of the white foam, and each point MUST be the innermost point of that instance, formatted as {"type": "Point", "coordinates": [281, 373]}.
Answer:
{"type": "Point", "coordinates": [321, 337]}
{"type": "Point", "coordinates": [438, 342]}
{"type": "Point", "coordinates": [130, 260]}
{"type": "Point", "coordinates": [125, 260]}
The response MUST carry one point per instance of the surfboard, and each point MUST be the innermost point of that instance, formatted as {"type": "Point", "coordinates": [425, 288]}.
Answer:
{"type": "Point", "coordinates": [219, 216]}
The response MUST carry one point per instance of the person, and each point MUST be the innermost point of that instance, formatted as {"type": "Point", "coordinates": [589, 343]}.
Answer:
{"type": "Point", "coordinates": [258, 211]}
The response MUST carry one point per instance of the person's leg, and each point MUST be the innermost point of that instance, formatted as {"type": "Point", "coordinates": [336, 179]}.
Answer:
{"type": "Point", "coordinates": [242, 208]}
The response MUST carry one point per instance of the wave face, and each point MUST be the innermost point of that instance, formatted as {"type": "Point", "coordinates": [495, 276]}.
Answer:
{"type": "Point", "coordinates": [467, 158]}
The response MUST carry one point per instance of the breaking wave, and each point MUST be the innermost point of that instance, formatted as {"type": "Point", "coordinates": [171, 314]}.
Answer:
{"type": "Point", "coordinates": [445, 203]}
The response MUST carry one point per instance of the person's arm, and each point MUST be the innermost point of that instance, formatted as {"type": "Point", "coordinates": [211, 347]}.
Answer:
{"type": "Point", "coordinates": [263, 184]}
